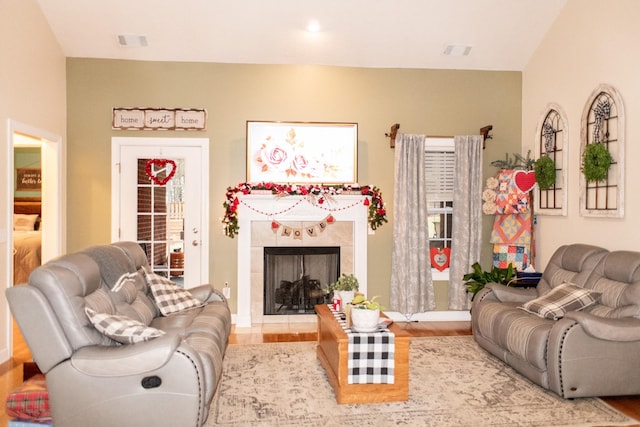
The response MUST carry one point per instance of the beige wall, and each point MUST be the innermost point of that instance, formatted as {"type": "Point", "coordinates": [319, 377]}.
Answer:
{"type": "Point", "coordinates": [32, 92]}
{"type": "Point", "coordinates": [435, 102]}
{"type": "Point", "coordinates": [591, 43]}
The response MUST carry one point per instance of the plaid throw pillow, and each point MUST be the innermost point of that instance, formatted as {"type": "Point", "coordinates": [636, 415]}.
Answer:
{"type": "Point", "coordinates": [30, 401]}
{"type": "Point", "coordinates": [565, 297]}
{"type": "Point", "coordinates": [121, 328]}
{"type": "Point", "coordinates": [168, 296]}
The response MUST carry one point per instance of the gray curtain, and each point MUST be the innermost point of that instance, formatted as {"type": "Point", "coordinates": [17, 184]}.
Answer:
{"type": "Point", "coordinates": [467, 216]}
{"type": "Point", "coordinates": [411, 284]}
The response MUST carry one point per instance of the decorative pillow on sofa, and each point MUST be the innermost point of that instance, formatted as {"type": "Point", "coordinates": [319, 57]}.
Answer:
{"type": "Point", "coordinates": [121, 328]}
{"type": "Point", "coordinates": [168, 296]}
{"type": "Point", "coordinates": [30, 400]}
{"type": "Point", "coordinates": [561, 299]}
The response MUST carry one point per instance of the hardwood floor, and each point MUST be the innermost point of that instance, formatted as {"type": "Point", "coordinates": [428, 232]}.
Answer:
{"type": "Point", "coordinates": [11, 372]}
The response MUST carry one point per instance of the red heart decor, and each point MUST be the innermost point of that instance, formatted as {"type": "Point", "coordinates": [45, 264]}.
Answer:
{"type": "Point", "coordinates": [525, 180]}
{"type": "Point", "coordinates": [162, 166]}
{"type": "Point", "coordinates": [440, 258]}
{"type": "Point", "coordinates": [330, 219]}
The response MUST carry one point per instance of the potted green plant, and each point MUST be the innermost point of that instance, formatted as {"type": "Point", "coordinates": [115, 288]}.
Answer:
{"type": "Point", "coordinates": [365, 314]}
{"type": "Point", "coordinates": [477, 279]}
{"type": "Point", "coordinates": [346, 285]}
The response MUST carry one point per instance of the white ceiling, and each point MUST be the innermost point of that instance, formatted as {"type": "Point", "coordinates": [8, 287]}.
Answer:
{"type": "Point", "coordinates": [503, 34]}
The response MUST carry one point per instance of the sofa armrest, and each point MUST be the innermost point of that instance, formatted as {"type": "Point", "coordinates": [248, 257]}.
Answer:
{"type": "Point", "coordinates": [207, 293]}
{"type": "Point", "coordinates": [202, 292]}
{"type": "Point", "coordinates": [627, 329]}
{"type": "Point", "coordinates": [43, 333]}
{"type": "Point", "coordinates": [505, 293]}
{"type": "Point", "coordinates": [129, 359]}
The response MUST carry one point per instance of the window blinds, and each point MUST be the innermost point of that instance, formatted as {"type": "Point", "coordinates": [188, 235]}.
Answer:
{"type": "Point", "coordinates": [440, 171]}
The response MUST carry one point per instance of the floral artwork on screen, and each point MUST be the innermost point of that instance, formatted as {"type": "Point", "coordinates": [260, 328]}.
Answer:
{"type": "Point", "coordinates": [296, 152]}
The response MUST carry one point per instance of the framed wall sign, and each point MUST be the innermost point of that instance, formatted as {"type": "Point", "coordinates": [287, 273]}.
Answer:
{"type": "Point", "coordinates": [28, 179]}
{"type": "Point", "coordinates": [159, 119]}
{"type": "Point", "coordinates": [302, 152]}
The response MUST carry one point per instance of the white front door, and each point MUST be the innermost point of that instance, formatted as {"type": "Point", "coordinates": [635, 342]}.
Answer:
{"type": "Point", "coordinates": [160, 190]}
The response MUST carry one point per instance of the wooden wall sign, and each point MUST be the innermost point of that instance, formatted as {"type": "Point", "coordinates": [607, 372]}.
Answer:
{"type": "Point", "coordinates": [28, 179]}
{"type": "Point", "coordinates": [159, 119]}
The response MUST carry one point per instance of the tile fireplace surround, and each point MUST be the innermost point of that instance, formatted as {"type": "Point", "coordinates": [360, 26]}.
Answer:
{"type": "Point", "coordinates": [255, 215]}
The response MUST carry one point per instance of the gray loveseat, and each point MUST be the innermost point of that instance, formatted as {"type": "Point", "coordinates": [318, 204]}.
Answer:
{"type": "Point", "coordinates": [594, 351]}
{"type": "Point", "coordinates": [166, 377]}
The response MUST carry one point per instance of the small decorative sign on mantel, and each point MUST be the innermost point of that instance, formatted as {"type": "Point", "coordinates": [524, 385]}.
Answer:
{"type": "Point", "coordinates": [159, 119]}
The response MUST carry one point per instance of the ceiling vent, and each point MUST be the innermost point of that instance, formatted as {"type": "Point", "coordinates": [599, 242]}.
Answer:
{"type": "Point", "coordinates": [457, 50]}
{"type": "Point", "coordinates": [132, 40]}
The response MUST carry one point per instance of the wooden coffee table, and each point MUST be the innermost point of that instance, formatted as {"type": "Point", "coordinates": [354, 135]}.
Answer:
{"type": "Point", "coordinates": [332, 353]}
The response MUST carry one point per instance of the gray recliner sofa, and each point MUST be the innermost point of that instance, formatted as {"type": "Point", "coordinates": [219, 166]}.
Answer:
{"type": "Point", "coordinates": [94, 380]}
{"type": "Point", "coordinates": [594, 351]}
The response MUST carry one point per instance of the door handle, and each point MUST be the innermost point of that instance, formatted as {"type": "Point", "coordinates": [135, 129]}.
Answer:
{"type": "Point", "coordinates": [195, 242]}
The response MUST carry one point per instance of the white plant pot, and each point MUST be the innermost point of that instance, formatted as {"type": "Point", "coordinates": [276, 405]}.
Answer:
{"type": "Point", "coordinates": [346, 297]}
{"type": "Point", "coordinates": [365, 320]}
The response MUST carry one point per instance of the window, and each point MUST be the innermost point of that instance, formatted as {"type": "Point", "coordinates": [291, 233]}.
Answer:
{"type": "Point", "coordinates": [439, 161]}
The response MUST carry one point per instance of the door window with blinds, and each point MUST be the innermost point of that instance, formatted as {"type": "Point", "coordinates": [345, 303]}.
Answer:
{"type": "Point", "coordinates": [439, 160]}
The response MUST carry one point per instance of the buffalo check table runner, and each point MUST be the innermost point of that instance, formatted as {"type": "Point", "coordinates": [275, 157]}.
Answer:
{"type": "Point", "coordinates": [371, 355]}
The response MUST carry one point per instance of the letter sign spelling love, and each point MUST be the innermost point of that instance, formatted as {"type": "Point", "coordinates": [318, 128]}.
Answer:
{"type": "Point", "coordinates": [162, 165]}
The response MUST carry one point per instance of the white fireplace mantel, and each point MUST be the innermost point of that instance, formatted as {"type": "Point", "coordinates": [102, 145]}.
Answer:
{"type": "Point", "coordinates": [290, 209]}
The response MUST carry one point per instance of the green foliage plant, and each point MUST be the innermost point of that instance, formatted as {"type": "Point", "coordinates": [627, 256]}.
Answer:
{"type": "Point", "coordinates": [346, 282]}
{"type": "Point", "coordinates": [476, 280]}
{"type": "Point", "coordinates": [517, 162]}
{"type": "Point", "coordinates": [545, 169]}
{"type": "Point", "coordinates": [361, 303]}
{"type": "Point", "coordinates": [596, 162]}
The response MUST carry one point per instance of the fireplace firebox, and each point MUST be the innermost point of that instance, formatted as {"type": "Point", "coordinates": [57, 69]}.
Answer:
{"type": "Point", "coordinates": [296, 277]}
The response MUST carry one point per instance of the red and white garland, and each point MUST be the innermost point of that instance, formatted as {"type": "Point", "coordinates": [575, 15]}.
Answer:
{"type": "Point", "coordinates": [314, 194]}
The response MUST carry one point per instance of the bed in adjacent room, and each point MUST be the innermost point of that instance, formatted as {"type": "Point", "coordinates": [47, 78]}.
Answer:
{"type": "Point", "coordinates": [27, 238]}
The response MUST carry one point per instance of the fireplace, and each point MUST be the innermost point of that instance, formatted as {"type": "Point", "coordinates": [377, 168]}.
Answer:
{"type": "Point", "coordinates": [295, 278]}
{"type": "Point", "coordinates": [256, 215]}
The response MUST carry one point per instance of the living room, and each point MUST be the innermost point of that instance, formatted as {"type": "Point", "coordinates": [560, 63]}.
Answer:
{"type": "Point", "coordinates": [589, 43]}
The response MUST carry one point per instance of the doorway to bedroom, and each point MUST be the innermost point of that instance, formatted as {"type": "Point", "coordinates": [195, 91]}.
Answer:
{"type": "Point", "coordinates": [37, 193]}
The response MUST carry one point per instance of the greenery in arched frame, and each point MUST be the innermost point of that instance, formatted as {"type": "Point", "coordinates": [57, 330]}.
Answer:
{"type": "Point", "coordinates": [552, 147]}
{"type": "Point", "coordinates": [602, 182]}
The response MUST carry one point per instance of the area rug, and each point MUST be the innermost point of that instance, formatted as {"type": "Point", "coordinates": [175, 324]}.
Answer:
{"type": "Point", "coordinates": [452, 382]}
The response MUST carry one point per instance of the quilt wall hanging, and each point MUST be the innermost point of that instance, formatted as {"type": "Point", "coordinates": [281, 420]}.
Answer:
{"type": "Point", "coordinates": [507, 196]}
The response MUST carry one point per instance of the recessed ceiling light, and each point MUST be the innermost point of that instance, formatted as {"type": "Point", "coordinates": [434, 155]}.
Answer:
{"type": "Point", "coordinates": [132, 40]}
{"type": "Point", "coordinates": [313, 26]}
{"type": "Point", "coordinates": [456, 50]}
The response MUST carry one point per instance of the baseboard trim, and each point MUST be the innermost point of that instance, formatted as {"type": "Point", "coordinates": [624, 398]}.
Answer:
{"type": "Point", "coordinates": [431, 316]}
{"type": "Point", "coordinates": [428, 316]}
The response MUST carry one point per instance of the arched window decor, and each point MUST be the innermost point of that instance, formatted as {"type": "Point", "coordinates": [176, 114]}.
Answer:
{"type": "Point", "coordinates": [603, 123]}
{"type": "Point", "coordinates": [553, 142]}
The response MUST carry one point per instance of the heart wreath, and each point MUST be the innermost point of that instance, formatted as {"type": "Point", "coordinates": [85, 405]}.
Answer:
{"type": "Point", "coordinates": [162, 165]}
{"type": "Point", "coordinates": [440, 258]}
